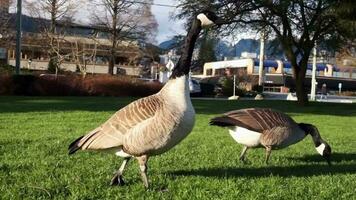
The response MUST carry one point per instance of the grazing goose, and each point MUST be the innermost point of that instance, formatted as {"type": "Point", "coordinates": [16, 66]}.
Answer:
{"type": "Point", "coordinates": [260, 127]}
{"type": "Point", "coordinates": [152, 125]}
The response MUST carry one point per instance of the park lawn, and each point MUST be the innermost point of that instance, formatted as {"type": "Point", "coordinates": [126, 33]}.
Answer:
{"type": "Point", "coordinates": [34, 164]}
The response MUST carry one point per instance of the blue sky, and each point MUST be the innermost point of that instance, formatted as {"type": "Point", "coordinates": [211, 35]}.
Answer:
{"type": "Point", "coordinates": [167, 26]}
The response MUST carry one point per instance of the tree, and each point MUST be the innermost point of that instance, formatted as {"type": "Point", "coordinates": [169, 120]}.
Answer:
{"type": "Point", "coordinates": [206, 50]}
{"type": "Point", "coordinates": [56, 11]}
{"type": "Point", "coordinates": [82, 54]}
{"type": "Point", "coordinates": [6, 28]}
{"type": "Point", "coordinates": [123, 21]}
{"type": "Point", "coordinates": [149, 22]}
{"type": "Point", "coordinates": [297, 24]}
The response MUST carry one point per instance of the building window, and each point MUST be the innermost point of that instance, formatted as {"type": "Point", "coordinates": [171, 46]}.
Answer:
{"type": "Point", "coordinates": [255, 69]}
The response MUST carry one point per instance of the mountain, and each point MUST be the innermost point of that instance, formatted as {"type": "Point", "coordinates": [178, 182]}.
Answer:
{"type": "Point", "coordinates": [248, 45]}
{"type": "Point", "coordinates": [166, 45]}
{"type": "Point", "coordinates": [223, 48]}
{"type": "Point", "coordinates": [176, 41]}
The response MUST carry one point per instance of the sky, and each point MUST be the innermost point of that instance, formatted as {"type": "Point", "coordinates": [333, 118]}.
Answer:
{"type": "Point", "coordinates": [168, 27]}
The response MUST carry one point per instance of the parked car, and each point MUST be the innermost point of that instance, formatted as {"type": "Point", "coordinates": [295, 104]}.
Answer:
{"type": "Point", "coordinates": [194, 87]}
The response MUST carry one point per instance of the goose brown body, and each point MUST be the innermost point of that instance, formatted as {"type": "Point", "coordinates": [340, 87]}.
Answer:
{"type": "Point", "coordinates": [276, 129]}
{"type": "Point", "coordinates": [263, 127]}
{"type": "Point", "coordinates": [148, 126]}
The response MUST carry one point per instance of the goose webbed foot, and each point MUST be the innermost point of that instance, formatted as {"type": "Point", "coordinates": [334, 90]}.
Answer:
{"type": "Point", "coordinates": [243, 154]}
{"type": "Point", "coordinates": [117, 180]}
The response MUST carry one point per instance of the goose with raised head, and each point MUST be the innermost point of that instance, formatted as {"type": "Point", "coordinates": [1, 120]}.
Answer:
{"type": "Point", "coordinates": [269, 129]}
{"type": "Point", "coordinates": [152, 125]}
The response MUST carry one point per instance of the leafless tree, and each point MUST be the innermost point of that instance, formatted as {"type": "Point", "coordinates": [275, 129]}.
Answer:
{"type": "Point", "coordinates": [59, 12]}
{"type": "Point", "coordinates": [83, 54]}
{"type": "Point", "coordinates": [5, 22]}
{"type": "Point", "coordinates": [123, 21]}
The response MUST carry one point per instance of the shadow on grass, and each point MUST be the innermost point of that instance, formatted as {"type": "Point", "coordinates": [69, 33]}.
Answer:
{"type": "Point", "coordinates": [283, 171]}
{"type": "Point", "coordinates": [219, 107]}
{"type": "Point", "coordinates": [335, 158]}
{"type": "Point", "coordinates": [290, 171]}
{"type": "Point", "coordinates": [16, 104]}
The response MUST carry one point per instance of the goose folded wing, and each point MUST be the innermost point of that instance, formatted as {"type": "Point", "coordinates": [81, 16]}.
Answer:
{"type": "Point", "coordinates": [111, 133]}
{"type": "Point", "coordinates": [255, 119]}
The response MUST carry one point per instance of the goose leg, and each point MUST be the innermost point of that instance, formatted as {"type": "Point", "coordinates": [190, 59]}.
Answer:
{"type": "Point", "coordinates": [268, 153]}
{"type": "Point", "coordinates": [243, 153]}
{"type": "Point", "coordinates": [117, 179]}
{"type": "Point", "coordinates": [142, 161]}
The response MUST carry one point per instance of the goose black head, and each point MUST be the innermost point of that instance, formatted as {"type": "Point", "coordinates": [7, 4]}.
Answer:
{"type": "Point", "coordinates": [322, 147]}
{"type": "Point", "coordinates": [208, 18]}
{"type": "Point", "coordinates": [324, 150]}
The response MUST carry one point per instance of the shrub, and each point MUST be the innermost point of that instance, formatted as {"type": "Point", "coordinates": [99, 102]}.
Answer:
{"type": "Point", "coordinates": [227, 84]}
{"type": "Point", "coordinates": [7, 69]}
{"type": "Point", "coordinates": [207, 89]}
{"type": "Point", "coordinates": [22, 84]}
{"type": "Point", "coordinates": [257, 88]}
{"type": "Point", "coordinates": [75, 85]}
{"type": "Point", "coordinates": [6, 86]}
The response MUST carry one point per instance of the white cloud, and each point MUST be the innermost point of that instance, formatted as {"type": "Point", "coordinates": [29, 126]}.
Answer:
{"type": "Point", "coordinates": [168, 27]}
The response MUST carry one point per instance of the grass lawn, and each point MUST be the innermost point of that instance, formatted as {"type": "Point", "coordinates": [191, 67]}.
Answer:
{"type": "Point", "coordinates": [35, 133]}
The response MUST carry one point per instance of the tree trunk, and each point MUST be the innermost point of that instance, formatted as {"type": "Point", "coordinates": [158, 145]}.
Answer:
{"type": "Point", "coordinates": [302, 95]}
{"type": "Point", "coordinates": [111, 65]}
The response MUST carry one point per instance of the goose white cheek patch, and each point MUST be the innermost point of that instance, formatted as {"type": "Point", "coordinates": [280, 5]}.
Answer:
{"type": "Point", "coordinates": [205, 21]}
{"type": "Point", "coordinates": [320, 149]}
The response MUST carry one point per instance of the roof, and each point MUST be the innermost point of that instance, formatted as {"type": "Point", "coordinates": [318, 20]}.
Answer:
{"type": "Point", "coordinates": [267, 63]}
{"type": "Point", "coordinates": [319, 66]}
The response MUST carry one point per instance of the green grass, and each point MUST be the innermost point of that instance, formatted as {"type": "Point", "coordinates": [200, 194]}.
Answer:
{"type": "Point", "coordinates": [35, 133]}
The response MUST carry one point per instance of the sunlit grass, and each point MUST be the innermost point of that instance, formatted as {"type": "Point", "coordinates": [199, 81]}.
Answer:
{"type": "Point", "coordinates": [35, 133]}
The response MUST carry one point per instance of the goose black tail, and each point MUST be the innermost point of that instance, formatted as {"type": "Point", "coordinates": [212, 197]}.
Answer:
{"type": "Point", "coordinates": [74, 146]}
{"type": "Point", "coordinates": [222, 121]}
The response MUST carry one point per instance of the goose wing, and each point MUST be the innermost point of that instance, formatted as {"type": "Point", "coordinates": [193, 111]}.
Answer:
{"type": "Point", "coordinates": [111, 133]}
{"type": "Point", "coordinates": [255, 119]}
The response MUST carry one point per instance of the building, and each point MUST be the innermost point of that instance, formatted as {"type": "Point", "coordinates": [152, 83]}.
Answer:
{"type": "Point", "coordinates": [4, 26]}
{"type": "Point", "coordinates": [279, 75]}
{"type": "Point", "coordinates": [76, 40]}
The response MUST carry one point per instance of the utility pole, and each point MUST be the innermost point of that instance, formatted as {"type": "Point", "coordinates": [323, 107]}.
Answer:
{"type": "Point", "coordinates": [18, 35]}
{"type": "Point", "coordinates": [313, 82]}
{"type": "Point", "coordinates": [262, 52]}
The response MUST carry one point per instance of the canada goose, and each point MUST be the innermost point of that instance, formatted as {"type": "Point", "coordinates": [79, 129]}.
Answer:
{"type": "Point", "coordinates": [152, 125]}
{"type": "Point", "coordinates": [260, 127]}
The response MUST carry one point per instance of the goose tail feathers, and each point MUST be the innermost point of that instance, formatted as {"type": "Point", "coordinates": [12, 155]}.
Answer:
{"type": "Point", "coordinates": [222, 121]}
{"type": "Point", "coordinates": [74, 146]}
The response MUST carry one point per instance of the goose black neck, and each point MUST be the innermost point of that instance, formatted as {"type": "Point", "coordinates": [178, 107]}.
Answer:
{"type": "Point", "coordinates": [313, 131]}
{"type": "Point", "coordinates": [183, 65]}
